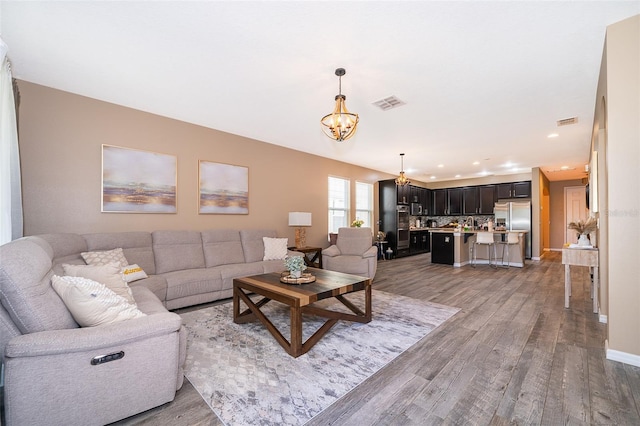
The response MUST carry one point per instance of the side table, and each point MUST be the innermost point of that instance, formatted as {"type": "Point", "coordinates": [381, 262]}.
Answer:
{"type": "Point", "coordinates": [580, 257]}
{"type": "Point", "coordinates": [315, 260]}
{"type": "Point", "coordinates": [380, 245]}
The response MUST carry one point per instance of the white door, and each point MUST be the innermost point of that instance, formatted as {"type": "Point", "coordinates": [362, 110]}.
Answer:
{"type": "Point", "coordinates": [575, 209]}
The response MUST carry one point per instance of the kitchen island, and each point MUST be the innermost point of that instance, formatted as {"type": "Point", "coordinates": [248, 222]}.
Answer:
{"type": "Point", "coordinates": [451, 246]}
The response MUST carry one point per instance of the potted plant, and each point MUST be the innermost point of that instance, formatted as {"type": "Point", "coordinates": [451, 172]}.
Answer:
{"type": "Point", "coordinates": [583, 228]}
{"type": "Point", "coordinates": [295, 265]}
{"type": "Point", "coordinates": [357, 223]}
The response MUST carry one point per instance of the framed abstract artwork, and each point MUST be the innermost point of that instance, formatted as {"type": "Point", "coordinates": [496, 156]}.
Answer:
{"type": "Point", "coordinates": [136, 181]}
{"type": "Point", "coordinates": [223, 188]}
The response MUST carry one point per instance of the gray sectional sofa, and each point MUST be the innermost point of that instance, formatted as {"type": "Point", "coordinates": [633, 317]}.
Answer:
{"type": "Point", "coordinates": [48, 374]}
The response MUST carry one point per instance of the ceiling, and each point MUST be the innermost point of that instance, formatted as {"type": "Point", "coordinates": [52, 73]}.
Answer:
{"type": "Point", "coordinates": [482, 82]}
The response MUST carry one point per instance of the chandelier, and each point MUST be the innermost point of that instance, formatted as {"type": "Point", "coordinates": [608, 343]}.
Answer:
{"type": "Point", "coordinates": [402, 180]}
{"type": "Point", "coordinates": [341, 124]}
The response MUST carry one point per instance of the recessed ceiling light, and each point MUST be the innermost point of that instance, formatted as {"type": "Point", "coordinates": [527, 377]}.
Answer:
{"type": "Point", "coordinates": [564, 168]}
{"type": "Point", "coordinates": [457, 175]}
{"type": "Point", "coordinates": [441, 165]}
{"type": "Point", "coordinates": [475, 163]}
{"type": "Point", "coordinates": [552, 135]}
{"type": "Point", "coordinates": [433, 177]}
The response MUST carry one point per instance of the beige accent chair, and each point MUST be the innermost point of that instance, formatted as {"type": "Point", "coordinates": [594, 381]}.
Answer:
{"type": "Point", "coordinates": [353, 253]}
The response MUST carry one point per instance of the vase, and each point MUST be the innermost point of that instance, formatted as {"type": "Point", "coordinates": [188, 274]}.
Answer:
{"type": "Point", "coordinates": [296, 274]}
{"type": "Point", "coordinates": [583, 240]}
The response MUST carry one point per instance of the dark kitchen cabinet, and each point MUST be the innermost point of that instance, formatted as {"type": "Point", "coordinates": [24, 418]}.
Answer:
{"type": "Point", "coordinates": [470, 200]}
{"type": "Point", "coordinates": [514, 190]}
{"type": "Point", "coordinates": [414, 194]}
{"type": "Point", "coordinates": [454, 196]}
{"type": "Point", "coordinates": [425, 200]}
{"type": "Point", "coordinates": [420, 242]}
{"type": "Point", "coordinates": [403, 194]}
{"type": "Point", "coordinates": [442, 248]}
{"type": "Point", "coordinates": [439, 202]}
{"type": "Point", "coordinates": [486, 199]}
{"type": "Point", "coordinates": [522, 189]}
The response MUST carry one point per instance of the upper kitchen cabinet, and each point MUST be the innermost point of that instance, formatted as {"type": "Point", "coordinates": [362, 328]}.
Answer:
{"type": "Point", "coordinates": [404, 194]}
{"type": "Point", "coordinates": [454, 196]}
{"type": "Point", "coordinates": [439, 202]}
{"type": "Point", "coordinates": [470, 200]}
{"type": "Point", "coordinates": [514, 190]}
{"type": "Point", "coordinates": [425, 200]}
{"type": "Point", "coordinates": [486, 199]}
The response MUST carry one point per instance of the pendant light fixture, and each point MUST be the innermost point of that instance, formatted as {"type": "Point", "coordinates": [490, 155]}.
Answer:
{"type": "Point", "coordinates": [402, 180]}
{"type": "Point", "coordinates": [341, 124]}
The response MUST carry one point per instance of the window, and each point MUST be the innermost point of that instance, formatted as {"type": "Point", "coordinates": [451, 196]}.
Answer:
{"type": "Point", "coordinates": [364, 203]}
{"type": "Point", "coordinates": [338, 203]}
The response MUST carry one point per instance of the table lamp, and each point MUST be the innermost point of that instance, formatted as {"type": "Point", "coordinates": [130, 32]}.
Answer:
{"type": "Point", "coordinates": [300, 220]}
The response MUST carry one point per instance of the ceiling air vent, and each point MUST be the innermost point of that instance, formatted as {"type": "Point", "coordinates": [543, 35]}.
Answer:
{"type": "Point", "coordinates": [567, 121]}
{"type": "Point", "coordinates": [388, 103]}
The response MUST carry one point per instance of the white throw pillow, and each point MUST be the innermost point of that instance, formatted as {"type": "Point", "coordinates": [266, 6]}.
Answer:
{"type": "Point", "coordinates": [275, 248]}
{"type": "Point", "coordinates": [92, 303]}
{"type": "Point", "coordinates": [108, 274]}
{"type": "Point", "coordinates": [133, 273]}
{"type": "Point", "coordinates": [104, 257]}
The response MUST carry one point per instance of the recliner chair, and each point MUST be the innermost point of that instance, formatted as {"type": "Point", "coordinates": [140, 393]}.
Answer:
{"type": "Point", "coordinates": [353, 253]}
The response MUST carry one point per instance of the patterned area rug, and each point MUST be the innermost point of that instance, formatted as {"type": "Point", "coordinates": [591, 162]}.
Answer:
{"type": "Point", "coordinates": [247, 378]}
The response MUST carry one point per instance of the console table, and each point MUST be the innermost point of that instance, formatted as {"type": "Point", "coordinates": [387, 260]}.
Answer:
{"type": "Point", "coordinates": [580, 257]}
{"type": "Point", "coordinates": [316, 256]}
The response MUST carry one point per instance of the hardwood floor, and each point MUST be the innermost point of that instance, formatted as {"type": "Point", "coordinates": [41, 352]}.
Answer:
{"type": "Point", "coordinates": [512, 355]}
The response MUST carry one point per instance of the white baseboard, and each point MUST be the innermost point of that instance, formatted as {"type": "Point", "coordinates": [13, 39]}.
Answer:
{"type": "Point", "coordinates": [619, 356]}
{"type": "Point", "coordinates": [602, 318]}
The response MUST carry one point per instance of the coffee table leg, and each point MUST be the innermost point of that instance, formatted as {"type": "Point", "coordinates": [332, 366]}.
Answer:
{"type": "Point", "coordinates": [236, 303]}
{"type": "Point", "coordinates": [367, 302]}
{"type": "Point", "coordinates": [296, 332]}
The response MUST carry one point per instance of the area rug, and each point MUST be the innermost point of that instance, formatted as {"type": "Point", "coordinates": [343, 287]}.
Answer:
{"type": "Point", "coordinates": [247, 378]}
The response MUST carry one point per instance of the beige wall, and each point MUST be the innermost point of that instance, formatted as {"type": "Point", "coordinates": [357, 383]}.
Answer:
{"type": "Point", "coordinates": [60, 141]}
{"type": "Point", "coordinates": [616, 136]}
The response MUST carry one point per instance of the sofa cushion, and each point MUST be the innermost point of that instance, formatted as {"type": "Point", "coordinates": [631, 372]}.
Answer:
{"type": "Point", "coordinates": [275, 248]}
{"type": "Point", "coordinates": [66, 249]}
{"type": "Point", "coordinates": [109, 275]}
{"type": "Point", "coordinates": [252, 243]}
{"type": "Point", "coordinates": [222, 247]}
{"type": "Point", "coordinates": [156, 283]}
{"type": "Point", "coordinates": [25, 288]}
{"type": "Point", "coordinates": [192, 281]}
{"type": "Point", "coordinates": [92, 303]}
{"type": "Point", "coordinates": [229, 272]}
{"type": "Point", "coordinates": [136, 246]}
{"type": "Point", "coordinates": [177, 250]}
{"type": "Point", "coordinates": [103, 257]}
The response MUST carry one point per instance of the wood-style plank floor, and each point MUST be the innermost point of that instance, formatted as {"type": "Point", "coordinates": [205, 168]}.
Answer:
{"type": "Point", "coordinates": [512, 356]}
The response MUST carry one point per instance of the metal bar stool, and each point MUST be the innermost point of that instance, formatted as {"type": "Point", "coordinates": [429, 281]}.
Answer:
{"type": "Point", "coordinates": [513, 238]}
{"type": "Point", "coordinates": [486, 239]}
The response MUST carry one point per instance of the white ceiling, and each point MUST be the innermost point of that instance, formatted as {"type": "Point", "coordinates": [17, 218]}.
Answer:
{"type": "Point", "coordinates": [482, 81]}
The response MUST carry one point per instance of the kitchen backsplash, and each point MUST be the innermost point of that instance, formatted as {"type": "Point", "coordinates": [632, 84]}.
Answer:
{"type": "Point", "coordinates": [445, 220]}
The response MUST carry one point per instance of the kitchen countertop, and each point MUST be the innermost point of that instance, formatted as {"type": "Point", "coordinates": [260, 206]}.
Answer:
{"type": "Point", "coordinates": [470, 231]}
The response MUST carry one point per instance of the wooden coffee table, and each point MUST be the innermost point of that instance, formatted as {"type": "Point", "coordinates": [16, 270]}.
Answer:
{"type": "Point", "coordinates": [300, 298]}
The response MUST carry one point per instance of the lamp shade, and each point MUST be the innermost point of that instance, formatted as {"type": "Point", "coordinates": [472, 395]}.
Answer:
{"type": "Point", "coordinates": [299, 219]}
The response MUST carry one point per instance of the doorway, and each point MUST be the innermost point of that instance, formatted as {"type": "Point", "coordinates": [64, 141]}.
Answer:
{"type": "Point", "coordinates": [575, 209]}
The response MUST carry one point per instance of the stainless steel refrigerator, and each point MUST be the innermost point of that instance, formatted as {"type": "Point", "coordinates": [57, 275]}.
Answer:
{"type": "Point", "coordinates": [515, 216]}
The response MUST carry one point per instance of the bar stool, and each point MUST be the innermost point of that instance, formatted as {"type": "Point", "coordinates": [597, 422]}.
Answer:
{"type": "Point", "coordinates": [513, 238]}
{"type": "Point", "coordinates": [486, 239]}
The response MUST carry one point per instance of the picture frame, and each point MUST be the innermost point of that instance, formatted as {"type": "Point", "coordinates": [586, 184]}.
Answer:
{"type": "Point", "coordinates": [137, 181]}
{"type": "Point", "coordinates": [222, 188]}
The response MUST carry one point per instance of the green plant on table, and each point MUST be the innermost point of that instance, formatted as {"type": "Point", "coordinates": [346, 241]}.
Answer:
{"type": "Point", "coordinates": [294, 263]}
{"type": "Point", "coordinates": [357, 223]}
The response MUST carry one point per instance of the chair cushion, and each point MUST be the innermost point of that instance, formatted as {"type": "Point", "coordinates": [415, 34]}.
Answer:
{"type": "Point", "coordinates": [354, 241]}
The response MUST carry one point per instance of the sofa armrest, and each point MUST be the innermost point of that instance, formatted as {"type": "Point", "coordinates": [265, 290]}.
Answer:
{"type": "Point", "coordinates": [372, 252]}
{"type": "Point", "coordinates": [331, 251]}
{"type": "Point", "coordinates": [92, 338]}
